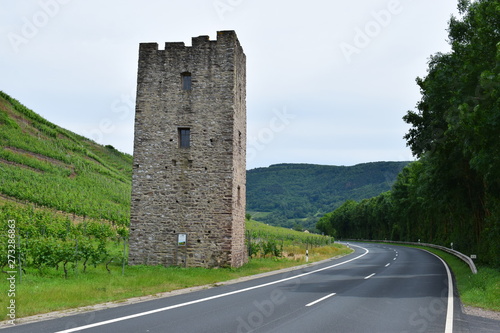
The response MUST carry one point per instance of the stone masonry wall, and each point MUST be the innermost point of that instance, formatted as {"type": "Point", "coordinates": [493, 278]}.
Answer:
{"type": "Point", "coordinates": [197, 191]}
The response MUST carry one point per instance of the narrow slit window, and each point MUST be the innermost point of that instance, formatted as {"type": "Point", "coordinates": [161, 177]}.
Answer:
{"type": "Point", "coordinates": [239, 195]}
{"type": "Point", "coordinates": [186, 81]}
{"type": "Point", "coordinates": [184, 137]}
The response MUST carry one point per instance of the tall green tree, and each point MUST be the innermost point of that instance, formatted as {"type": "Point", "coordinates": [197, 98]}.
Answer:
{"type": "Point", "coordinates": [452, 193]}
{"type": "Point", "coordinates": [457, 125]}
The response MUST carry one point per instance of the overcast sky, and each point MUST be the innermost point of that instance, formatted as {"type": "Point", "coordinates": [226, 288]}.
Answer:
{"type": "Point", "coordinates": [328, 81]}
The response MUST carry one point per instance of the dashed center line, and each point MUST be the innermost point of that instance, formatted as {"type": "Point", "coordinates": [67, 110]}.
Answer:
{"type": "Point", "coordinates": [387, 264]}
{"type": "Point", "coordinates": [369, 276]}
{"type": "Point", "coordinates": [321, 299]}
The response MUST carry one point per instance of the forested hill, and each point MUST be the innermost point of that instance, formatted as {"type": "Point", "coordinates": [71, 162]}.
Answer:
{"type": "Point", "coordinates": [294, 195]}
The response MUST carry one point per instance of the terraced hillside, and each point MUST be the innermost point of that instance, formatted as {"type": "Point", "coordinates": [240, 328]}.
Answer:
{"type": "Point", "coordinates": [45, 165]}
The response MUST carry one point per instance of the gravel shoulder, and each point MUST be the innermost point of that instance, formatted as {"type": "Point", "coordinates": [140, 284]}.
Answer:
{"type": "Point", "coordinates": [479, 312]}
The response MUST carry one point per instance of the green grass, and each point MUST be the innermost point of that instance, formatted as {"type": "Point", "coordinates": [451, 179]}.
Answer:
{"type": "Point", "coordinates": [479, 290]}
{"type": "Point", "coordinates": [268, 240]}
{"type": "Point", "coordinates": [42, 293]}
{"type": "Point", "coordinates": [258, 215]}
{"type": "Point", "coordinates": [260, 228]}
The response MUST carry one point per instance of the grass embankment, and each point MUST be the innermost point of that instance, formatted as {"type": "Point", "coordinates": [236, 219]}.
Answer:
{"type": "Point", "coordinates": [45, 290]}
{"type": "Point", "coordinates": [479, 290]}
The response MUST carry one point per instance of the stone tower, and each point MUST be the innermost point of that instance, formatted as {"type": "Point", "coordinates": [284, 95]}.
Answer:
{"type": "Point", "coordinates": [189, 176]}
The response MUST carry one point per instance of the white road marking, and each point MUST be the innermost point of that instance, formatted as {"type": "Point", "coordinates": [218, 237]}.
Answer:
{"type": "Point", "coordinates": [77, 329]}
{"type": "Point", "coordinates": [321, 299]}
{"type": "Point", "coordinates": [387, 264]}
{"type": "Point", "coordinates": [449, 310]}
{"type": "Point", "coordinates": [394, 259]}
{"type": "Point", "coordinates": [369, 276]}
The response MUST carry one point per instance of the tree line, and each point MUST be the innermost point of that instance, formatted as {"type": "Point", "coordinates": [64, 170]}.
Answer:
{"type": "Point", "coordinates": [451, 194]}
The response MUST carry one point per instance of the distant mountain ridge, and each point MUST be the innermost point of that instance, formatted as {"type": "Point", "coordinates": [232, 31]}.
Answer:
{"type": "Point", "coordinates": [298, 194]}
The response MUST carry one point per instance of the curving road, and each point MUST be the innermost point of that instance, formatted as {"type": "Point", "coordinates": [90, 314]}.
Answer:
{"type": "Point", "coordinates": [378, 288]}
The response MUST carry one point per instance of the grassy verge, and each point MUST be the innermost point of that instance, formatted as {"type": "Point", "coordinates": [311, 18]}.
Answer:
{"type": "Point", "coordinates": [42, 293]}
{"type": "Point", "coordinates": [480, 290]}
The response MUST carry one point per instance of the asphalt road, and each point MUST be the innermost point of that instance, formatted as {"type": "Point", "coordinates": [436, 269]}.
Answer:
{"type": "Point", "coordinates": [378, 288]}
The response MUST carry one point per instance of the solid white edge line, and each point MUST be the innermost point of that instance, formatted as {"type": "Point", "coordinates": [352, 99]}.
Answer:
{"type": "Point", "coordinates": [449, 310]}
{"type": "Point", "coordinates": [80, 328]}
{"type": "Point", "coordinates": [369, 276]}
{"type": "Point", "coordinates": [321, 299]}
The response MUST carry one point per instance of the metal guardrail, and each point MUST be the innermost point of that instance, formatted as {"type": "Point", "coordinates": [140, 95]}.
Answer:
{"type": "Point", "coordinates": [460, 255]}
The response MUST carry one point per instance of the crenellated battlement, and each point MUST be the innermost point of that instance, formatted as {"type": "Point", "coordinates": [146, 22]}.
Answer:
{"type": "Point", "coordinates": [223, 37]}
